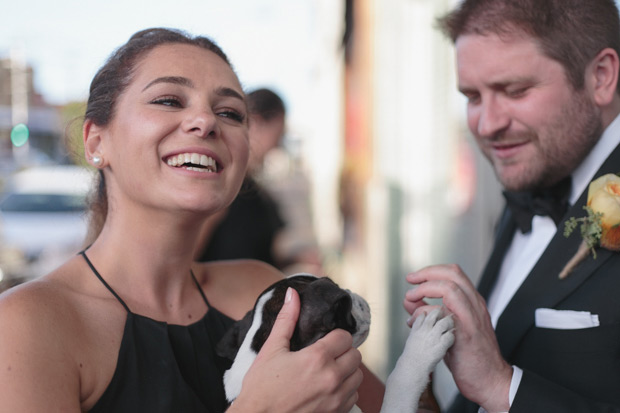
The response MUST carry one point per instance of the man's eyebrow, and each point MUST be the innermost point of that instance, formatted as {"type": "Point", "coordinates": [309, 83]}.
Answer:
{"type": "Point", "coordinates": [499, 85]}
{"type": "Point", "coordinates": [177, 80]}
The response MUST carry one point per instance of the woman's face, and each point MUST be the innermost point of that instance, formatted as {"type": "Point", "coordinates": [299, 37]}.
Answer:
{"type": "Point", "coordinates": [178, 139]}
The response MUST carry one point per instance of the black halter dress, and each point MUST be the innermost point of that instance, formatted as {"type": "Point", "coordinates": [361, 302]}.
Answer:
{"type": "Point", "coordinates": [167, 368]}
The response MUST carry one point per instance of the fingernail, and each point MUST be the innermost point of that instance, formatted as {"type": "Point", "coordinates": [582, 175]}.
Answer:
{"type": "Point", "coordinates": [288, 295]}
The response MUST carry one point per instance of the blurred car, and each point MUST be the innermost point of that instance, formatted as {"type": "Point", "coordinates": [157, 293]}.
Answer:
{"type": "Point", "coordinates": [43, 218]}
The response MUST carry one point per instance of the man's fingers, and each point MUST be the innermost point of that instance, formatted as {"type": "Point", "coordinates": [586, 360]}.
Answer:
{"type": "Point", "coordinates": [447, 272]}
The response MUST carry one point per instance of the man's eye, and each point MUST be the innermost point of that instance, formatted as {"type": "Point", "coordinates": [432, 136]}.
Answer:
{"type": "Point", "coordinates": [472, 98]}
{"type": "Point", "coordinates": [232, 114]}
{"type": "Point", "coordinates": [516, 93]}
{"type": "Point", "coordinates": [167, 101]}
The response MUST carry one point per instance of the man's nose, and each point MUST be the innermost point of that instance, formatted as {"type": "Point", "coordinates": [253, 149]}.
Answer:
{"type": "Point", "coordinates": [493, 118]}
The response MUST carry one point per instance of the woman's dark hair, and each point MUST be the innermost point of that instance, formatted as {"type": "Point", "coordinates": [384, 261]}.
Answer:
{"type": "Point", "coordinates": [111, 81]}
{"type": "Point", "coordinates": [571, 32]}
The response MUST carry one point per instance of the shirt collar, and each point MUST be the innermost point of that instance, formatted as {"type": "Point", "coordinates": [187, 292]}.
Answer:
{"type": "Point", "coordinates": [583, 175]}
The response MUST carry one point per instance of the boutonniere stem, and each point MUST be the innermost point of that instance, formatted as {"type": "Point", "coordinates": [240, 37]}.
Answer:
{"type": "Point", "coordinates": [582, 252]}
{"type": "Point", "coordinates": [601, 226]}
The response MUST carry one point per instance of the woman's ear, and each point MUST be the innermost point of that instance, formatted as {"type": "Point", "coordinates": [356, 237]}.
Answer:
{"type": "Point", "coordinates": [603, 73]}
{"type": "Point", "coordinates": [93, 144]}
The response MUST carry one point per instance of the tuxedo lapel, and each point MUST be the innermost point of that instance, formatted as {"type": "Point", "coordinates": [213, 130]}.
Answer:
{"type": "Point", "coordinates": [542, 288]}
{"type": "Point", "coordinates": [505, 232]}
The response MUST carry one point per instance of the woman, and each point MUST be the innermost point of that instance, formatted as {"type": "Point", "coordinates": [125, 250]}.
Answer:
{"type": "Point", "coordinates": [130, 324]}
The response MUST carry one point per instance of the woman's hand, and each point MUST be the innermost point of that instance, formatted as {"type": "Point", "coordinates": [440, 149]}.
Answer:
{"type": "Point", "coordinates": [323, 377]}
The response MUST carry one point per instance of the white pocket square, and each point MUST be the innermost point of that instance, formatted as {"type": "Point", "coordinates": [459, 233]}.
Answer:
{"type": "Point", "coordinates": [565, 319]}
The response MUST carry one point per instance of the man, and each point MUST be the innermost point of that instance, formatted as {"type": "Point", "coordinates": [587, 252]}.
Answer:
{"type": "Point", "coordinates": [270, 218]}
{"type": "Point", "coordinates": [251, 225]}
{"type": "Point", "coordinates": [541, 80]}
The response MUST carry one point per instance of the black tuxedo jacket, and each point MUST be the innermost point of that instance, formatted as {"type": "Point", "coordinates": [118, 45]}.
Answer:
{"type": "Point", "coordinates": [563, 370]}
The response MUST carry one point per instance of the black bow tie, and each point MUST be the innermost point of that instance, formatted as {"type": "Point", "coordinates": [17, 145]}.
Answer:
{"type": "Point", "coordinates": [551, 202]}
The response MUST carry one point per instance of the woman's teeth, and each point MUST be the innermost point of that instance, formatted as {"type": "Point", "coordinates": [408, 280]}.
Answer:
{"type": "Point", "coordinates": [193, 162]}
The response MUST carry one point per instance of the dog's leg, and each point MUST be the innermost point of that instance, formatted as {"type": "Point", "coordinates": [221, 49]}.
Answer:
{"type": "Point", "coordinates": [428, 341]}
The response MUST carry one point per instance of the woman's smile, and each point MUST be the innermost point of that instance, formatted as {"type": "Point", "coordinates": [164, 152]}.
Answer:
{"type": "Point", "coordinates": [193, 162]}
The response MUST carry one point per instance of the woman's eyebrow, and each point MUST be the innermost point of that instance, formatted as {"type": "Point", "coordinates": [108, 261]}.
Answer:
{"type": "Point", "coordinates": [183, 81]}
{"type": "Point", "coordinates": [228, 92]}
{"type": "Point", "coordinates": [177, 80]}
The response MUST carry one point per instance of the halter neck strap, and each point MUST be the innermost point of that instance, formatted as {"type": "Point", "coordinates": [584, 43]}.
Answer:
{"type": "Point", "coordinates": [202, 293]}
{"type": "Point", "coordinates": [92, 267]}
{"type": "Point", "coordinates": [120, 300]}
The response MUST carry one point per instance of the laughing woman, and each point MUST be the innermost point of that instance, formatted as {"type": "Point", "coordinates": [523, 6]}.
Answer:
{"type": "Point", "coordinates": [130, 324]}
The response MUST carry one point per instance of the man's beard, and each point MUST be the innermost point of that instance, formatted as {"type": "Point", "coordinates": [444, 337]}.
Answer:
{"type": "Point", "coordinates": [565, 143]}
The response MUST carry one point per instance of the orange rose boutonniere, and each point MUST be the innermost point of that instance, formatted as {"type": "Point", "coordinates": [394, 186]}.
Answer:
{"type": "Point", "coordinates": [601, 227]}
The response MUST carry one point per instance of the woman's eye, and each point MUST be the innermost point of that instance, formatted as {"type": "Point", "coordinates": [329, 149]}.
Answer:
{"type": "Point", "coordinates": [232, 114]}
{"type": "Point", "coordinates": [167, 101]}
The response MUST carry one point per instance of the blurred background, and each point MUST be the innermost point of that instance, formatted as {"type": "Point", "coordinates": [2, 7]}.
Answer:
{"type": "Point", "coordinates": [374, 123]}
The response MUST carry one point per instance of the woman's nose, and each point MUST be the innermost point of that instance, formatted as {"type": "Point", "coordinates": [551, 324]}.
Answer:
{"type": "Point", "coordinates": [201, 122]}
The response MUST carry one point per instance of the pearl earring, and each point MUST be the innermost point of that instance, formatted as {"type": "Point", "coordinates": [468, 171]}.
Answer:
{"type": "Point", "coordinates": [97, 161]}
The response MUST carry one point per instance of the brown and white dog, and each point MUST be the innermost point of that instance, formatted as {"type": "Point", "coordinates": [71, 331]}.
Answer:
{"type": "Point", "coordinates": [325, 307]}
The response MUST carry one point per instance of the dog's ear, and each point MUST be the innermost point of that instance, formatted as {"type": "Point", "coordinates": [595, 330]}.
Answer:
{"type": "Point", "coordinates": [229, 345]}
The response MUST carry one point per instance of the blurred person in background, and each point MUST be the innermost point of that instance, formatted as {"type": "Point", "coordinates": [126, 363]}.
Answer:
{"type": "Point", "coordinates": [270, 219]}
{"type": "Point", "coordinates": [541, 82]}
{"type": "Point", "coordinates": [130, 323]}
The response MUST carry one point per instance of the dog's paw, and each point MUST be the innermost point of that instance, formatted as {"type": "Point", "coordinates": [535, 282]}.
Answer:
{"type": "Point", "coordinates": [429, 339]}
{"type": "Point", "coordinates": [431, 336]}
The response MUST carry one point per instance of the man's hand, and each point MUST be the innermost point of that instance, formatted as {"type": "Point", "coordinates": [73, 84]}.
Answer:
{"type": "Point", "coordinates": [480, 372]}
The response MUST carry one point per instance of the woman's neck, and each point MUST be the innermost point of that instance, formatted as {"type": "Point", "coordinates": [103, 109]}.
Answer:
{"type": "Point", "coordinates": [150, 260]}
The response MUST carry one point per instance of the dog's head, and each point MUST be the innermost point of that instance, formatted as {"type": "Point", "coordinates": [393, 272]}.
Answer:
{"type": "Point", "coordinates": [324, 307]}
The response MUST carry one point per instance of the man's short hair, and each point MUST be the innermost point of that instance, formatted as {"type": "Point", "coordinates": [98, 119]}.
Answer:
{"type": "Point", "coordinates": [571, 32]}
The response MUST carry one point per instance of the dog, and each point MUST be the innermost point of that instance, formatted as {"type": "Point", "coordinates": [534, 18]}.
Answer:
{"type": "Point", "coordinates": [324, 307]}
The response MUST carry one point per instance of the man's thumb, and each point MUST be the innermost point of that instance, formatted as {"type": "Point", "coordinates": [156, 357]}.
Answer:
{"type": "Point", "coordinates": [284, 325]}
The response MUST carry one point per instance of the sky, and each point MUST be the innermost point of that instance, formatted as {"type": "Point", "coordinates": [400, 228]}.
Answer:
{"type": "Point", "coordinates": [269, 42]}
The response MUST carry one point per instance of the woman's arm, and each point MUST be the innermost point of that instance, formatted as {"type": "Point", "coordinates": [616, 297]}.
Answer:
{"type": "Point", "coordinates": [371, 392]}
{"type": "Point", "coordinates": [37, 370]}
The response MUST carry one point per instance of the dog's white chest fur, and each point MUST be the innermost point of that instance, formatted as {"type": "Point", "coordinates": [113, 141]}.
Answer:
{"type": "Point", "coordinates": [233, 377]}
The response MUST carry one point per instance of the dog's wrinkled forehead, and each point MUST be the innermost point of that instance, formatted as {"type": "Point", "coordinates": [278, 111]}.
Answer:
{"type": "Point", "coordinates": [324, 307]}
{"type": "Point", "coordinates": [307, 282]}
{"type": "Point", "coordinates": [304, 284]}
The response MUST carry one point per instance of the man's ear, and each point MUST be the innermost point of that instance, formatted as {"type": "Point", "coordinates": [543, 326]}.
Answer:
{"type": "Point", "coordinates": [602, 73]}
{"type": "Point", "coordinates": [93, 142]}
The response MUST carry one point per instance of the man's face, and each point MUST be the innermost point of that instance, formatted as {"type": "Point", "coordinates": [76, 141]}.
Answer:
{"type": "Point", "coordinates": [528, 120]}
{"type": "Point", "coordinates": [264, 136]}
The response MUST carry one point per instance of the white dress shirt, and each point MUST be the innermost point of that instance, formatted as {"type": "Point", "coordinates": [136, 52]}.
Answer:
{"type": "Point", "coordinates": [526, 249]}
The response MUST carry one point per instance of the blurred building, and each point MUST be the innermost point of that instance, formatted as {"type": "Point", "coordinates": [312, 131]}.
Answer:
{"type": "Point", "coordinates": [20, 103]}
{"type": "Point", "coordinates": [411, 187]}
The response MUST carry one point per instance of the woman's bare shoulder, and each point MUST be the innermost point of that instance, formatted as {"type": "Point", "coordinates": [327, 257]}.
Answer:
{"type": "Point", "coordinates": [38, 306]}
{"type": "Point", "coordinates": [54, 307]}
{"type": "Point", "coordinates": [246, 271]}
{"type": "Point", "coordinates": [39, 298]}
{"type": "Point", "coordinates": [38, 344]}
{"type": "Point", "coordinates": [233, 286]}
